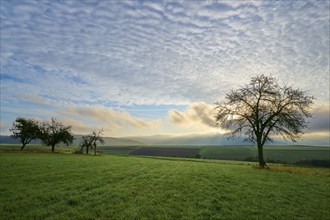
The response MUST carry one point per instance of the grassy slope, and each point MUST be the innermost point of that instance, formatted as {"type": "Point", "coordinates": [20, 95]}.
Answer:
{"type": "Point", "coordinates": [60, 186]}
{"type": "Point", "coordinates": [38, 148]}
{"type": "Point", "coordinates": [290, 153]}
{"type": "Point", "coordinates": [108, 141]}
{"type": "Point", "coordinates": [228, 152]}
{"type": "Point", "coordinates": [283, 153]}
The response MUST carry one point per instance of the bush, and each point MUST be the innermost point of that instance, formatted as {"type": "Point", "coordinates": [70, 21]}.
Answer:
{"type": "Point", "coordinates": [79, 151]}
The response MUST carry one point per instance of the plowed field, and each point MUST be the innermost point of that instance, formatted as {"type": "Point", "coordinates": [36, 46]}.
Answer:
{"type": "Point", "coordinates": [166, 152]}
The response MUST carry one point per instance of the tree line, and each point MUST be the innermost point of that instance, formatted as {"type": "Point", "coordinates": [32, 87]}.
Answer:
{"type": "Point", "coordinates": [51, 134]}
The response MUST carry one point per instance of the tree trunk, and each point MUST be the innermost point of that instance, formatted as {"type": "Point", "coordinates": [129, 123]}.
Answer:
{"type": "Point", "coordinates": [53, 148]}
{"type": "Point", "coordinates": [23, 146]}
{"type": "Point", "coordinates": [262, 163]}
{"type": "Point", "coordinates": [94, 151]}
{"type": "Point", "coordinates": [87, 148]}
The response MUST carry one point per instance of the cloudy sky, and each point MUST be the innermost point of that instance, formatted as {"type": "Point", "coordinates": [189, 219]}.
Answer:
{"type": "Point", "coordinates": [152, 67]}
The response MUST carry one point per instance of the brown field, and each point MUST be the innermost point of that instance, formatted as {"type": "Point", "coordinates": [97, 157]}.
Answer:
{"type": "Point", "coordinates": [118, 150]}
{"type": "Point", "coordinates": [166, 152]}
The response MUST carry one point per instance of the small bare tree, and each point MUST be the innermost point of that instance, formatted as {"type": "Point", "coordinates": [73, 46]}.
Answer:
{"type": "Point", "coordinates": [262, 109]}
{"type": "Point", "coordinates": [86, 142]}
{"type": "Point", "coordinates": [91, 139]}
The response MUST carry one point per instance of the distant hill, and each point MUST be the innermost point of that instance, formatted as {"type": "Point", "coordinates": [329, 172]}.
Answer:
{"type": "Point", "coordinates": [218, 140]}
{"type": "Point", "coordinates": [9, 140]}
{"type": "Point", "coordinates": [109, 141]}
{"type": "Point", "coordinates": [195, 139]}
{"type": "Point", "coordinates": [191, 140]}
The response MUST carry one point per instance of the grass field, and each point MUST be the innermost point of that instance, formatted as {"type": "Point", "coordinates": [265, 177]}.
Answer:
{"type": "Point", "coordinates": [67, 186]}
{"type": "Point", "coordinates": [283, 154]}
{"type": "Point", "coordinates": [38, 148]}
{"type": "Point", "coordinates": [288, 154]}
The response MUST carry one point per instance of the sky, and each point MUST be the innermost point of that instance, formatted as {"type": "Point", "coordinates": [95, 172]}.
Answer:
{"type": "Point", "coordinates": [155, 67]}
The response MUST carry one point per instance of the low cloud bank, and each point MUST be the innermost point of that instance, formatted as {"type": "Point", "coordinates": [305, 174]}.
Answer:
{"type": "Point", "coordinates": [86, 118]}
{"type": "Point", "coordinates": [198, 113]}
{"type": "Point", "coordinates": [320, 121]}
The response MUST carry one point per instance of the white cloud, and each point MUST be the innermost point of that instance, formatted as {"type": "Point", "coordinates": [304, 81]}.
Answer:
{"type": "Point", "coordinates": [320, 121]}
{"type": "Point", "coordinates": [4, 128]}
{"type": "Point", "coordinates": [198, 114]}
{"type": "Point", "coordinates": [36, 100]}
{"type": "Point", "coordinates": [114, 123]}
{"type": "Point", "coordinates": [152, 47]}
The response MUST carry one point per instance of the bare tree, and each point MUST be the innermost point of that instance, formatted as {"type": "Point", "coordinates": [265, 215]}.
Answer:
{"type": "Point", "coordinates": [25, 129]}
{"type": "Point", "coordinates": [91, 139]}
{"type": "Point", "coordinates": [263, 109]}
{"type": "Point", "coordinates": [86, 142]}
{"type": "Point", "coordinates": [54, 133]}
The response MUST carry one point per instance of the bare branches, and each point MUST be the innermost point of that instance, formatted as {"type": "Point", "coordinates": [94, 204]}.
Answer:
{"type": "Point", "coordinates": [91, 139]}
{"type": "Point", "coordinates": [54, 132]}
{"type": "Point", "coordinates": [262, 109]}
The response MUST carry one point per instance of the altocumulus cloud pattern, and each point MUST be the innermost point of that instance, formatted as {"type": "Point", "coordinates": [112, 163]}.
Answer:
{"type": "Point", "coordinates": [153, 53]}
{"type": "Point", "coordinates": [182, 52]}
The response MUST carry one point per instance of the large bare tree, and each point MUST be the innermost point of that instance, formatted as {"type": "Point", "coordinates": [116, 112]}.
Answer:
{"type": "Point", "coordinates": [262, 110]}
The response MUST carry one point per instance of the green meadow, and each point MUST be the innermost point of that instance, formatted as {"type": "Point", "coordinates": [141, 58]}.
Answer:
{"type": "Point", "coordinates": [278, 153]}
{"type": "Point", "coordinates": [281, 153]}
{"type": "Point", "coordinates": [39, 185]}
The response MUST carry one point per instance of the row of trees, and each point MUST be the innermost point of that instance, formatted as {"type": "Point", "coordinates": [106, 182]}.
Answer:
{"type": "Point", "coordinates": [51, 133]}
